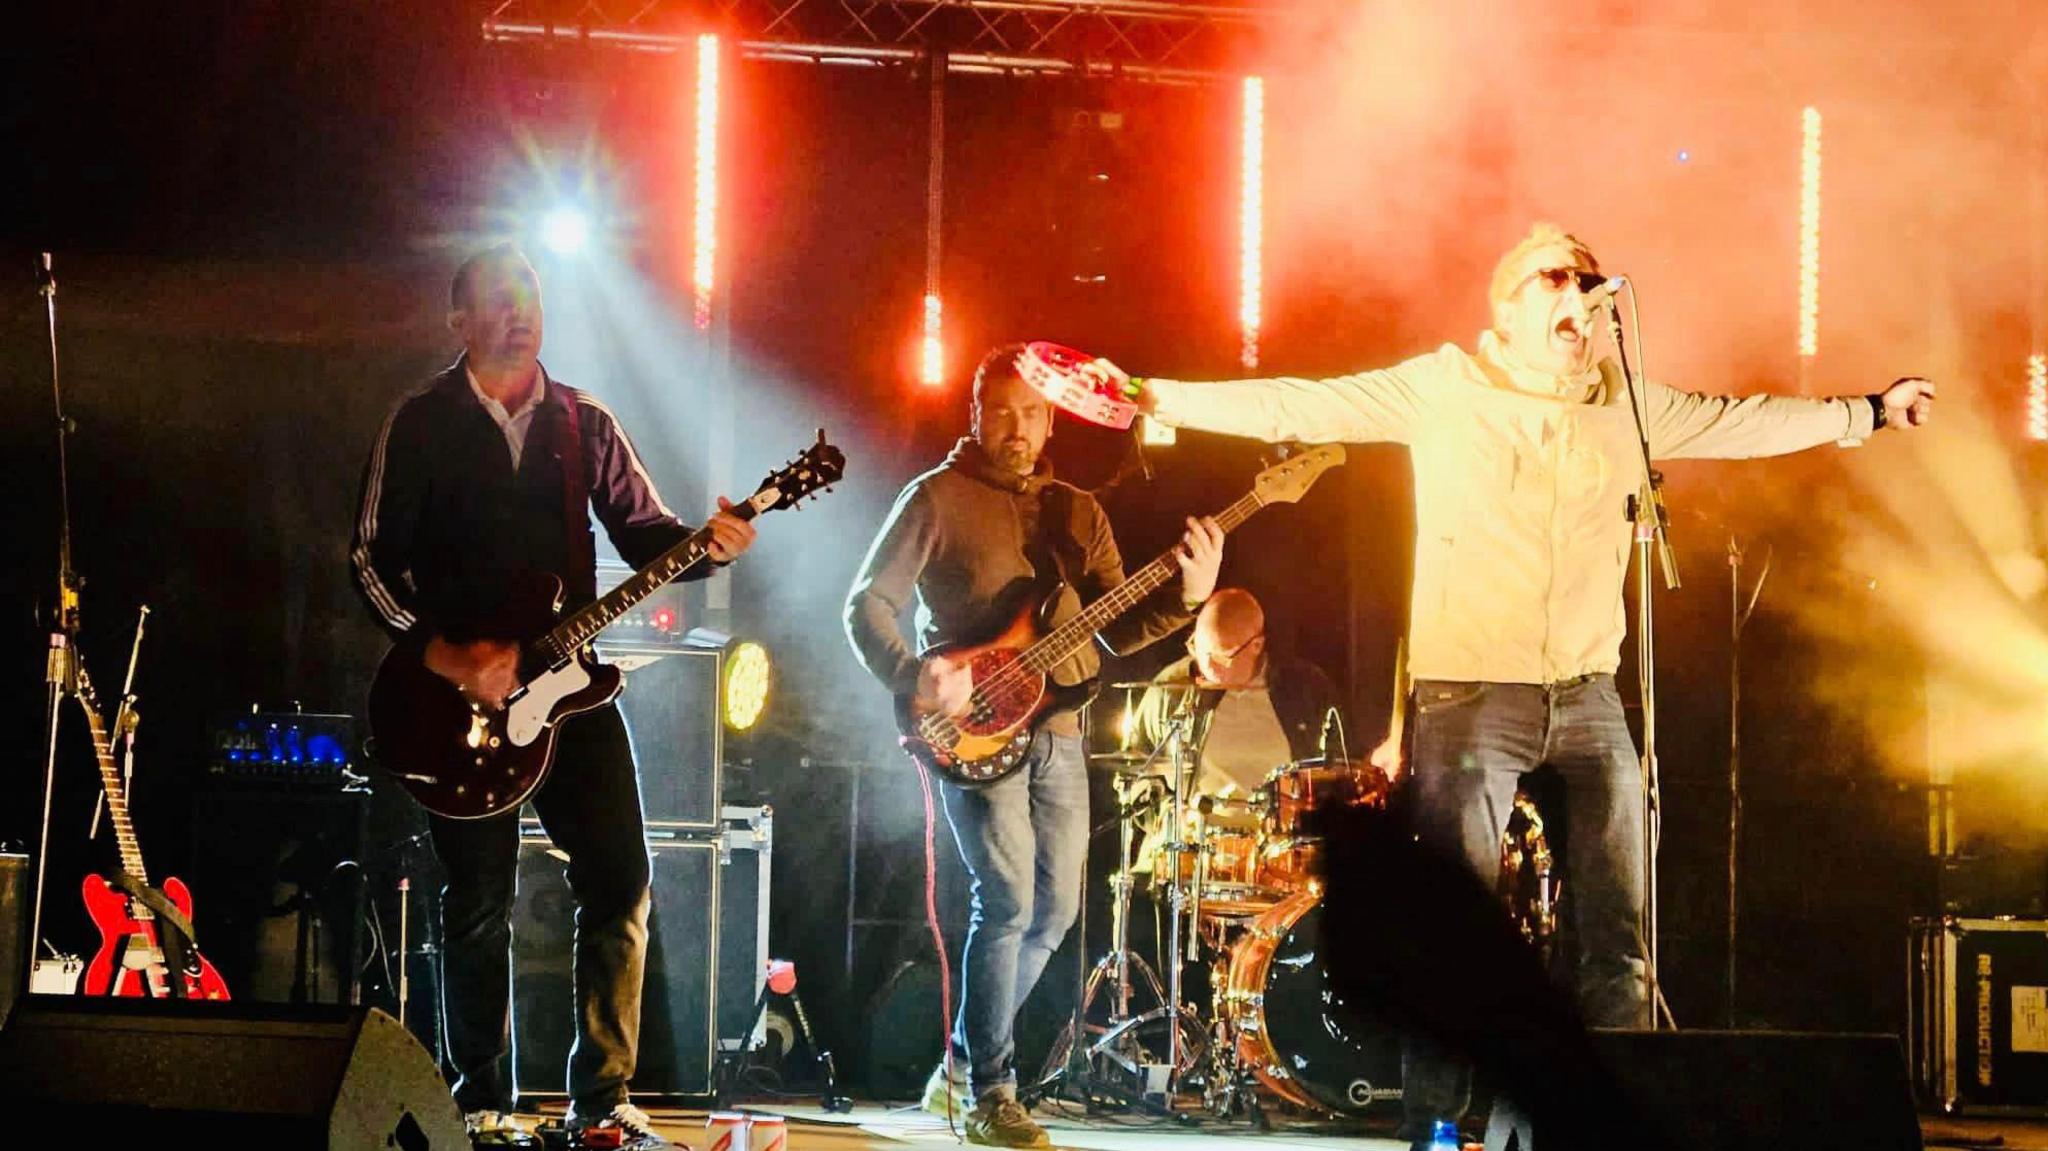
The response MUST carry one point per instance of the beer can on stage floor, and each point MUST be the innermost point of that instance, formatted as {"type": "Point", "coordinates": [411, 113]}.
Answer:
{"type": "Point", "coordinates": [728, 1131]}
{"type": "Point", "coordinates": [767, 1133]}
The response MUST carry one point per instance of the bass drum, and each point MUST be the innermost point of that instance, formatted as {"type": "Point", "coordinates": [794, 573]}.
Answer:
{"type": "Point", "coordinates": [1293, 1032]}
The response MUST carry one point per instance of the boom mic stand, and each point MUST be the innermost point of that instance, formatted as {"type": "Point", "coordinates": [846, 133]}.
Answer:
{"type": "Point", "coordinates": [61, 667]}
{"type": "Point", "coordinates": [1646, 510]}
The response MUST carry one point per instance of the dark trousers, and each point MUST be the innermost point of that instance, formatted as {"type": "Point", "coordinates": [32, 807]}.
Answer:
{"type": "Point", "coordinates": [590, 806]}
{"type": "Point", "coordinates": [1473, 742]}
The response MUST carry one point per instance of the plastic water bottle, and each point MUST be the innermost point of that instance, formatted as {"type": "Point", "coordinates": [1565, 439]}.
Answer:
{"type": "Point", "coordinates": [1443, 1136]}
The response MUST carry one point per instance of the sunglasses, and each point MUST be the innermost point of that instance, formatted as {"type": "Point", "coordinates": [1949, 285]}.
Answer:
{"type": "Point", "coordinates": [1222, 658]}
{"type": "Point", "coordinates": [1557, 279]}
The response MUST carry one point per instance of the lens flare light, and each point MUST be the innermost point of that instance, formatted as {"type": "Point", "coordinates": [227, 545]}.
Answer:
{"type": "Point", "coordinates": [565, 230]}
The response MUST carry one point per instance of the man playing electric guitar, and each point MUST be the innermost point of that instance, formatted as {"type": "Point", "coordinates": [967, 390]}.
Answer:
{"type": "Point", "coordinates": [974, 540]}
{"type": "Point", "coordinates": [478, 483]}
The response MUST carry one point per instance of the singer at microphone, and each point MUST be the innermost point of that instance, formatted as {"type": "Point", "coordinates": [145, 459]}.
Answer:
{"type": "Point", "coordinates": [1522, 444]}
{"type": "Point", "coordinates": [1600, 290]}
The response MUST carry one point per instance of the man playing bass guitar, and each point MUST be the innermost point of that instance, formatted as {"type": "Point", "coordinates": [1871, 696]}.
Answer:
{"type": "Point", "coordinates": [973, 541]}
{"type": "Point", "coordinates": [482, 479]}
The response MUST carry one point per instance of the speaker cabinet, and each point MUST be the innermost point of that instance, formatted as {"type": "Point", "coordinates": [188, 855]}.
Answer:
{"type": "Point", "coordinates": [13, 929]}
{"type": "Point", "coordinates": [277, 890]}
{"type": "Point", "coordinates": [706, 957]}
{"type": "Point", "coordinates": [672, 708]}
{"type": "Point", "coordinates": [225, 1075]}
{"type": "Point", "coordinates": [1743, 1090]}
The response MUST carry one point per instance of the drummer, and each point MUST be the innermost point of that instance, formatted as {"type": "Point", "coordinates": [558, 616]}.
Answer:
{"type": "Point", "coordinates": [1271, 711]}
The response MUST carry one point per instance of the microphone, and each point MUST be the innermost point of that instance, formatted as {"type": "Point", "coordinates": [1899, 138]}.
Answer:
{"type": "Point", "coordinates": [1600, 290]}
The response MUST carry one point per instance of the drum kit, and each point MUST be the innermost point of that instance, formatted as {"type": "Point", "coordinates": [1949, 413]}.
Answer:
{"type": "Point", "coordinates": [1238, 883]}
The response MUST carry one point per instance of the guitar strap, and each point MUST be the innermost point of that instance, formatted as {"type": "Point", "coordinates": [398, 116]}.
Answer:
{"type": "Point", "coordinates": [1057, 535]}
{"type": "Point", "coordinates": [173, 933]}
{"type": "Point", "coordinates": [575, 498]}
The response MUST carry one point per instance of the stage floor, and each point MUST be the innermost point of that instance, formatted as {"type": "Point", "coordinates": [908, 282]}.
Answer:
{"type": "Point", "coordinates": [876, 1127]}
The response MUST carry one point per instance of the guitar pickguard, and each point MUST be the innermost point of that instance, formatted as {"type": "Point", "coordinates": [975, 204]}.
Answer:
{"type": "Point", "coordinates": [528, 713]}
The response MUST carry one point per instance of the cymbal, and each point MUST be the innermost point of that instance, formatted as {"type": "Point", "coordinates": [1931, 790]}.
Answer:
{"type": "Point", "coordinates": [1118, 756]}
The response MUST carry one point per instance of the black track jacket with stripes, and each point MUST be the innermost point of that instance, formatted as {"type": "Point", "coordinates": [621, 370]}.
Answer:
{"type": "Point", "coordinates": [447, 533]}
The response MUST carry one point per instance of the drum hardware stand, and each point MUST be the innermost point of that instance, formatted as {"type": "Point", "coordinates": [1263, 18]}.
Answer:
{"type": "Point", "coordinates": [1646, 510]}
{"type": "Point", "coordinates": [1189, 729]}
{"type": "Point", "coordinates": [1114, 967]}
{"type": "Point", "coordinates": [1117, 963]}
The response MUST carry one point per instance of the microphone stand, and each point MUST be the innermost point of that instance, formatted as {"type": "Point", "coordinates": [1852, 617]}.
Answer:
{"type": "Point", "coordinates": [1646, 510]}
{"type": "Point", "coordinates": [61, 666]}
{"type": "Point", "coordinates": [1738, 619]}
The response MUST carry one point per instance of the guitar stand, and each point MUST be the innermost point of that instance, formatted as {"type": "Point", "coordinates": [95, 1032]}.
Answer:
{"type": "Point", "coordinates": [173, 933]}
{"type": "Point", "coordinates": [781, 983]}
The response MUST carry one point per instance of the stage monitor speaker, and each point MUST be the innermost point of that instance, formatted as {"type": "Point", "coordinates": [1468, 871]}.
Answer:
{"type": "Point", "coordinates": [223, 1075]}
{"type": "Point", "coordinates": [14, 949]}
{"type": "Point", "coordinates": [1743, 1090]}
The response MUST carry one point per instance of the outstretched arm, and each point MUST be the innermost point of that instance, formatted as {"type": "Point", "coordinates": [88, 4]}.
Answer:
{"type": "Point", "coordinates": [1690, 425]}
{"type": "Point", "coordinates": [1359, 408]}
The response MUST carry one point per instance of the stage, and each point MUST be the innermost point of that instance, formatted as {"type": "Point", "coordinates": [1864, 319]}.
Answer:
{"type": "Point", "coordinates": [874, 1126]}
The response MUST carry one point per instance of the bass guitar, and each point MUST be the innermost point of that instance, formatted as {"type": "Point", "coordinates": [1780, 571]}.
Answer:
{"type": "Point", "coordinates": [1011, 694]}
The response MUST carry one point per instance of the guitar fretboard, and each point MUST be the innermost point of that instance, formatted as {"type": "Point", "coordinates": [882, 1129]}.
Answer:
{"type": "Point", "coordinates": [558, 646]}
{"type": "Point", "coordinates": [110, 781]}
{"type": "Point", "coordinates": [1070, 636]}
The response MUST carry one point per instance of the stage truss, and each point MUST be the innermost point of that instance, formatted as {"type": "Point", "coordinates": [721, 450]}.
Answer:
{"type": "Point", "coordinates": [1154, 40]}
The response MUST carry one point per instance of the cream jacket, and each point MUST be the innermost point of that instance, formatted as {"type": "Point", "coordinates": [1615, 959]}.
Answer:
{"type": "Point", "coordinates": [1522, 483]}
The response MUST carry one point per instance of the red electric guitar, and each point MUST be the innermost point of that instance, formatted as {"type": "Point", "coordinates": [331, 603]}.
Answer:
{"type": "Point", "coordinates": [129, 961]}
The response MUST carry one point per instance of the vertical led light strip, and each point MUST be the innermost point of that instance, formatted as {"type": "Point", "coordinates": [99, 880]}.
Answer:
{"type": "Point", "coordinates": [1809, 233]}
{"type": "Point", "coordinates": [2037, 397]}
{"type": "Point", "coordinates": [705, 225]}
{"type": "Point", "coordinates": [1251, 241]}
{"type": "Point", "coordinates": [932, 361]}
{"type": "Point", "coordinates": [932, 364]}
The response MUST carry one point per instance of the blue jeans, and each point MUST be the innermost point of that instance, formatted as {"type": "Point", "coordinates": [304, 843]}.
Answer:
{"type": "Point", "coordinates": [1473, 742]}
{"type": "Point", "coordinates": [1025, 844]}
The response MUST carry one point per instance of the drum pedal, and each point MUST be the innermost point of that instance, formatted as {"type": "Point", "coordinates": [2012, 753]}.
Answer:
{"type": "Point", "coordinates": [1152, 1080]}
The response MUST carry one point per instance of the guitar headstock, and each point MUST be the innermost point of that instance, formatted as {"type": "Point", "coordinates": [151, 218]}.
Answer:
{"type": "Point", "coordinates": [86, 694]}
{"type": "Point", "coordinates": [1291, 478]}
{"type": "Point", "coordinates": [817, 468]}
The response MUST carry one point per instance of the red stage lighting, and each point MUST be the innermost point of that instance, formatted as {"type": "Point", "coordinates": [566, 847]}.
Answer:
{"type": "Point", "coordinates": [705, 224]}
{"type": "Point", "coordinates": [1251, 239]}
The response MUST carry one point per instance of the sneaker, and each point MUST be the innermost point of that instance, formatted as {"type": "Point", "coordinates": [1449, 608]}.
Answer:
{"type": "Point", "coordinates": [935, 1096]}
{"type": "Point", "coordinates": [1000, 1121]}
{"type": "Point", "coordinates": [498, 1129]}
{"type": "Point", "coordinates": [635, 1131]}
